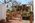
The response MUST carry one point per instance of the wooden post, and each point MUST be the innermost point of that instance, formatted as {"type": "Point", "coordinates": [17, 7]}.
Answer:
{"type": "Point", "coordinates": [31, 19]}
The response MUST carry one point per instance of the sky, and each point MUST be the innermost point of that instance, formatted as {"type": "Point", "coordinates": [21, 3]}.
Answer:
{"type": "Point", "coordinates": [22, 1]}
{"type": "Point", "coordinates": [1, 1]}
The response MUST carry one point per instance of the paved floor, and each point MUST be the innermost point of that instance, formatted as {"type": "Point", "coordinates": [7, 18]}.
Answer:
{"type": "Point", "coordinates": [23, 21]}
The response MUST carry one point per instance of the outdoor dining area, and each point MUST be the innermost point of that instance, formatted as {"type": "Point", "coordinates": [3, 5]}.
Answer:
{"type": "Point", "coordinates": [20, 13]}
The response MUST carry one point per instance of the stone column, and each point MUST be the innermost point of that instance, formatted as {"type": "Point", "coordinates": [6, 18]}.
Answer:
{"type": "Point", "coordinates": [3, 11]}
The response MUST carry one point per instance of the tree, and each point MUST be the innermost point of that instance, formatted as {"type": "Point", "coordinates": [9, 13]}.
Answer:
{"type": "Point", "coordinates": [30, 2]}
